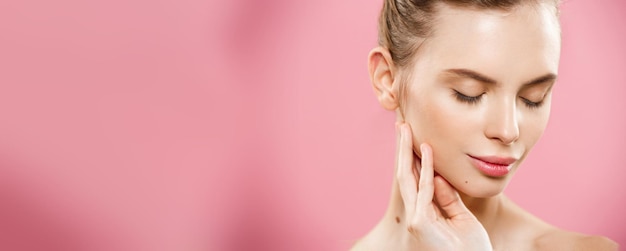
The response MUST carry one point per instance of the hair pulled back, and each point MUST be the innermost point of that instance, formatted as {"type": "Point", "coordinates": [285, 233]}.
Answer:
{"type": "Point", "coordinates": [403, 24]}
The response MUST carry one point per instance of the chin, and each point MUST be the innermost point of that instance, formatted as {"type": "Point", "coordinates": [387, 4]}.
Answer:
{"type": "Point", "coordinates": [481, 187]}
{"type": "Point", "coordinates": [470, 181]}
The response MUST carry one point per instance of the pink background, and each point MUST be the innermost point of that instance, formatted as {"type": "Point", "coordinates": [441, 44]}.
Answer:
{"type": "Point", "coordinates": [251, 125]}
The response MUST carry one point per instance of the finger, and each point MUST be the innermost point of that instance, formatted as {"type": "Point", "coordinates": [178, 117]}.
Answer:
{"type": "Point", "coordinates": [449, 200]}
{"type": "Point", "coordinates": [416, 164]}
{"type": "Point", "coordinates": [405, 177]}
{"type": "Point", "coordinates": [398, 144]}
{"type": "Point", "coordinates": [426, 188]}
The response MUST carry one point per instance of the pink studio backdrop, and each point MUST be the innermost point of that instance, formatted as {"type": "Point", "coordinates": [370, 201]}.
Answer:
{"type": "Point", "coordinates": [251, 125]}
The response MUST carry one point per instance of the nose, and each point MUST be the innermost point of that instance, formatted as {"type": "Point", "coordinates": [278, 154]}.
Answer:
{"type": "Point", "coordinates": [502, 123]}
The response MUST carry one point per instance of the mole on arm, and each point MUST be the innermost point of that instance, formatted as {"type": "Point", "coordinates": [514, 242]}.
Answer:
{"type": "Point", "coordinates": [397, 219]}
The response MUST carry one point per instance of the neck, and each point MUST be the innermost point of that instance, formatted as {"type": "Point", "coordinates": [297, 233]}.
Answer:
{"type": "Point", "coordinates": [486, 210]}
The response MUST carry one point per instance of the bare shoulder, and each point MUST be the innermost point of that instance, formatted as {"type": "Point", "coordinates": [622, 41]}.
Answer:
{"type": "Point", "coordinates": [380, 237]}
{"type": "Point", "coordinates": [557, 239]}
{"type": "Point", "coordinates": [361, 245]}
{"type": "Point", "coordinates": [375, 241]}
{"type": "Point", "coordinates": [596, 243]}
{"type": "Point", "coordinates": [371, 241]}
{"type": "Point", "coordinates": [369, 244]}
{"type": "Point", "coordinates": [543, 236]}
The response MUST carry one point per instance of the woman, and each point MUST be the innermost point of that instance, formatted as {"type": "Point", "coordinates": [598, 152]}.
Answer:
{"type": "Point", "coordinates": [470, 82]}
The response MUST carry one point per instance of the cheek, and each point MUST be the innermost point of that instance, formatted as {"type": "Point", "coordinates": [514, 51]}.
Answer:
{"type": "Point", "coordinates": [533, 123]}
{"type": "Point", "coordinates": [532, 127]}
{"type": "Point", "coordinates": [438, 121]}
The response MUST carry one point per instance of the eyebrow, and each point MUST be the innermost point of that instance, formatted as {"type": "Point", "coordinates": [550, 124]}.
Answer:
{"type": "Point", "coordinates": [466, 73]}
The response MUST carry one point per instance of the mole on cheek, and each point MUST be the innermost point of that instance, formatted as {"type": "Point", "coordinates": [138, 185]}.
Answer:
{"type": "Point", "coordinates": [397, 219]}
{"type": "Point", "coordinates": [466, 182]}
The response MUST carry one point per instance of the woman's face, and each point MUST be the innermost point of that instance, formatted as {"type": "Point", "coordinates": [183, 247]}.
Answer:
{"type": "Point", "coordinates": [480, 88]}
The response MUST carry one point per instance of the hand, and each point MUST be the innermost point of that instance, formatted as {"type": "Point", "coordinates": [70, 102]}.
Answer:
{"type": "Point", "coordinates": [440, 224]}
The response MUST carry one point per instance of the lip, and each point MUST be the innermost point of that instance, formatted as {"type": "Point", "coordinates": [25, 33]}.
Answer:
{"type": "Point", "coordinates": [494, 166]}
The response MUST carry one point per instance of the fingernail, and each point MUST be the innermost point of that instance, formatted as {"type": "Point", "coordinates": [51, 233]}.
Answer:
{"type": "Point", "coordinates": [423, 149]}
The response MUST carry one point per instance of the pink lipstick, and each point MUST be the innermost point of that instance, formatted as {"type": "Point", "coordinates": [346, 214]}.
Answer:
{"type": "Point", "coordinates": [493, 165]}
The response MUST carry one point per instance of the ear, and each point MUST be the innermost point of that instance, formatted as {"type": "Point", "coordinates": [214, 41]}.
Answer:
{"type": "Point", "coordinates": [383, 78]}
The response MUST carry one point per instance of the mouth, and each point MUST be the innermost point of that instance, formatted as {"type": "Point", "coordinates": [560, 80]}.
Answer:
{"type": "Point", "coordinates": [494, 166]}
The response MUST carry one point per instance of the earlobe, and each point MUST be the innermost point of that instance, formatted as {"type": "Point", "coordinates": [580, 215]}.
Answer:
{"type": "Point", "coordinates": [382, 72]}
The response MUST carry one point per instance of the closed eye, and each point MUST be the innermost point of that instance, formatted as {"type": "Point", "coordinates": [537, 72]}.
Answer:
{"type": "Point", "coordinates": [531, 104]}
{"type": "Point", "coordinates": [467, 99]}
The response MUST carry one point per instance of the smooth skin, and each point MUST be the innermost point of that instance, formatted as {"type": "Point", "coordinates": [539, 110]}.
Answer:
{"type": "Point", "coordinates": [480, 85]}
{"type": "Point", "coordinates": [436, 204]}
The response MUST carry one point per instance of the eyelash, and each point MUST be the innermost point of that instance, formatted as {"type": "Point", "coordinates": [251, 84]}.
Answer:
{"type": "Point", "coordinates": [472, 100]}
{"type": "Point", "coordinates": [532, 105]}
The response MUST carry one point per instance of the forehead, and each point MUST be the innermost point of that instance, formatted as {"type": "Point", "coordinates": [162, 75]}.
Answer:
{"type": "Point", "coordinates": [507, 45]}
